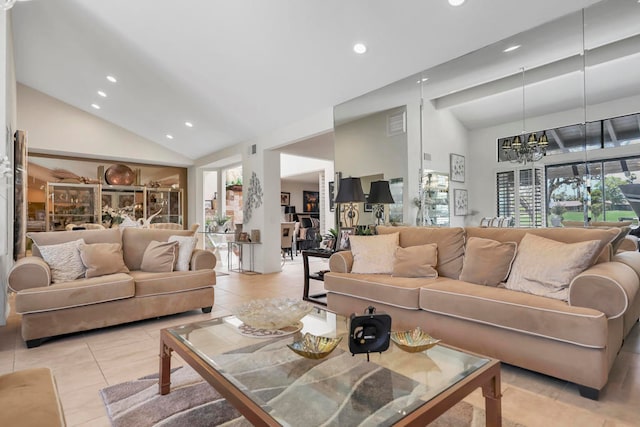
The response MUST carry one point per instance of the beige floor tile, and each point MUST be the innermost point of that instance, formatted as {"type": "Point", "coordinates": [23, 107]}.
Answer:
{"type": "Point", "coordinates": [81, 375]}
{"type": "Point", "coordinates": [83, 405]}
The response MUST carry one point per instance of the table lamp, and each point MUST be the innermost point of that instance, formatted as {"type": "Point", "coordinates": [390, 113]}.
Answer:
{"type": "Point", "coordinates": [379, 195]}
{"type": "Point", "coordinates": [350, 192]}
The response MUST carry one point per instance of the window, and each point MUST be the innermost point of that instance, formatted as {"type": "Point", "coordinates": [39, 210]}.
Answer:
{"type": "Point", "coordinates": [519, 195]}
{"type": "Point", "coordinates": [573, 189]}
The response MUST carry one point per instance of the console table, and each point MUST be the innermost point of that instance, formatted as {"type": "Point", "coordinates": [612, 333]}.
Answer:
{"type": "Point", "coordinates": [241, 266]}
{"type": "Point", "coordinates": [317, 253]}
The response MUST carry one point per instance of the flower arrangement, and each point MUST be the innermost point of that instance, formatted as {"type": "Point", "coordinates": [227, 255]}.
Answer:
{"type": "Point", "coordinates": [116, 216]}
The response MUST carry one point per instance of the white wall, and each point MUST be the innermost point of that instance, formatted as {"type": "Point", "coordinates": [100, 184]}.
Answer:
{"type": "Point", "coordinates": [442, 135]}
{"type": "Point", "coordinates": [296, 188]}
{"type": "Point", "coordinates": [7, 126]}
{"type": "Point", "coordinates": [55, 127]}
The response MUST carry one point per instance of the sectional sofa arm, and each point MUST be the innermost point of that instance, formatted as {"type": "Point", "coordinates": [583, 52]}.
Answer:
{"type": "Point", "coordinates": [29, 272]}
{"type": "Point", "coordinates": [632, 259]}
{"type": "Point", "coordinates": [202, 260]}
{"type": "Point", "coordinates": [608, 287]}
{"type": "Point", "coordinates": [341, 262]}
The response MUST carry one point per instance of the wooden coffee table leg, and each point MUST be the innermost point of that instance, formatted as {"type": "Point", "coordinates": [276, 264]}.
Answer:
{"type": "Point", "coordinates": [492, 400]}
{"type": "Point", "coordinates": [164, 380]}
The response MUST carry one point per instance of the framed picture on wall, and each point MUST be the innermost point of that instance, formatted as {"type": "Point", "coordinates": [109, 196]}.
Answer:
{"type": "Point", "coordinates": [285, 198]}
{"type": "Point", "coordinates": [461, 202]}
{"type": "Point", "coordinates": [368, 207]}
{"type": "Point", "coordinates": [457, 167]}
{"type": "Point", "coordinates": [345, 232]}
{"type": "Point", "coordinates": [332, 196]}
{"type": "Point", "coordinates": [311, 201]}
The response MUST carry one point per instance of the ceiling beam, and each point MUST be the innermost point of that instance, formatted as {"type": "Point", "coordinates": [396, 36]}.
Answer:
{"type": "Point", "coordinates": [611, 131]}
{"type": "Point", "coordinates": [557, 138]}
{"type": "Point", "coordinates": [571, 64]}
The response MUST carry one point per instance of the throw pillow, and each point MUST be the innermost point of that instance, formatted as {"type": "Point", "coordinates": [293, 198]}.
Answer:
{"type": "Point", "coordinates": [102, 258]}
{"type": "Point", "coordinates": [373, 254]}
{"type": "Point", "coordinates": [416, 261]}
{"type": "Point", "coordinates": [63, 260]}
{"type": "Point", "coordinates": [186, 245]}
{"type": "Point", "coordinates": [159, 257]}
{"type": "Point", "coordinates": [486, 261]}
{"type": "Point", "coordinates": [546, 267]}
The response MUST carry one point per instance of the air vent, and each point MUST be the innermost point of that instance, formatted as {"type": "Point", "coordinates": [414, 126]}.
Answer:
{"type": "Point", "coordinates": [396, 124]}
{"type": "Point", "coordinates": [252, 149]}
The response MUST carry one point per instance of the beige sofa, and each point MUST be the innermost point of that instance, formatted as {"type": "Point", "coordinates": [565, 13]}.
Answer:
{"type": "Point", "coordinates": [575, 340]}
{"type": "Point", "coordinates": [87, 303]}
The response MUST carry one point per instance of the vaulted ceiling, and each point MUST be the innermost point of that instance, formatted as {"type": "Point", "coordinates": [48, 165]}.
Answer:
{"type": "Point", "coordinates": [239, 69]}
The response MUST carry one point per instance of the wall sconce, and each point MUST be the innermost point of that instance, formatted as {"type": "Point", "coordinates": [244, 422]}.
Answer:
{"type": "Point", "coordinates": [350, 192]}
{"type": "Point", "coordinates": [380, 194]}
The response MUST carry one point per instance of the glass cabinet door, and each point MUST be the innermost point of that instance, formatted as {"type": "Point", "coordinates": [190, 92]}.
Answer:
{"type": "Point", "coordinates": [71, 204]}
{"type": "Point", "coordinates": [129, 199]}
{"type": "Point", "coordinates": [167, 203]}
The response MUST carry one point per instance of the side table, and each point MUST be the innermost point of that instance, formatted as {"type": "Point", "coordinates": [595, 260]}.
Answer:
{"type": "Point", "coordinates": [317, 253]}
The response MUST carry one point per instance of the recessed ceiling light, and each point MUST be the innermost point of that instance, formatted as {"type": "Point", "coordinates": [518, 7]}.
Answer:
{"type": "Point", "coordinates": [96, 106]}
{"type": "Point", "coordinates": [169, 136]}
{"type": "Point", "coordinates": [112, 79]}
{"type": "Point", "coordinates": [456, 2]}
{"type": "Point", "coordinates": [188, 124]}
{"type": "Point", "coordinates": [359, 48]}
{"type": "Point", "coordinates": [511, 48]}
{"type": "Point", "coordinates": [102, 94]}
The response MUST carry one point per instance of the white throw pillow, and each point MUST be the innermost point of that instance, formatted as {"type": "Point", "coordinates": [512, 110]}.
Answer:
{"type": "Point", "coordinates": [374, 254]}
{"type": "Point", "coordinates": [64, 260]}
{"type": "Point", "coordinates": [546, 267]}
{"type": "Point", "coordinates": [186, 246]}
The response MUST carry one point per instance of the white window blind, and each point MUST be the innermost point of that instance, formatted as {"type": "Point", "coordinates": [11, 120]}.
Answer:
{"type": "Point", "coordinates": [519, 195]}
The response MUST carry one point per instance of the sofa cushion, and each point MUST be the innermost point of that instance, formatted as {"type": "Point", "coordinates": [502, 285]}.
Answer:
{"type": "Point", "coordinates": [136, 240]}
{"type": "Point", "coordinates": [546, 267]}
{"type": "Point", "coordinates": [102, 258]}
{"type": "Point", "coordinates": [450, 243]}
{"type": "Point", "coordinates": [109, 235]}
{"type": "Point", "coordinates": [517, 311]}
{"type": "Point", "coordinates": [373, 254]}
{"type": "Point", "coordinates": [186, 245]}
{"type": "Point", "coordinates": [76, 293]}
{"type": "Point", "coordinates": [166, 283]}
{"type": "Point", "coordinates": [64, 260]}
{"type": "Point", "coordinates": [567, 235]}
{"type": "Point", "coordinates": [487, 261]}
{"type": "Point", "coordinates": [397, 291]}
{"type": "Point", "coordinates": [416, 261]}
{"type": "Point", "coordinates": [160, 257]}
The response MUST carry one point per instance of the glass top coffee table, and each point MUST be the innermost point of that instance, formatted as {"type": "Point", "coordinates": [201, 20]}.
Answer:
{"type": "Point", "coordinates": [271, 385]}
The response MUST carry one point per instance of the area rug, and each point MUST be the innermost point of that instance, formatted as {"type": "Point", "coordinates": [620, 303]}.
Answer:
{"type": "Point", "coordinates": [194, 403]}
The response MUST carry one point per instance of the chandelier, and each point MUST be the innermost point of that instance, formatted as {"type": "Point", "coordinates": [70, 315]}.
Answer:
{"type": "Point", "coordinates": [522, 149]}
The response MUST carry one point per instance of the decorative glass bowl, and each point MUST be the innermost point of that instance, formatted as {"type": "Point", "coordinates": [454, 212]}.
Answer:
{"type": "Point", "coordinates": [272, 314]}
{"type": "Point", "coordinates": [413, 341]}
{"type": "Point", "coordinates": [314, 347]}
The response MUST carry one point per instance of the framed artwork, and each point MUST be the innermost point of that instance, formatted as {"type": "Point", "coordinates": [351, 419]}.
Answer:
{"type": "Point", "coordinates": [125, 200]}
{"type": "Point", "coordinates": [457, 169]}
{"type": "Point", "coordinates": [285, 198]}
{"type": "Point", "coordinates": [345, 232]}
{"type": "Point", "coordinates": [332, 196]}
{"type": "Point", "coordinates": [461, 202]}
{"type": "Point", "coordinates": [208, 204]}
{"type": "Point", "coordinates": [311, 201]}
{"type": "Point", "coordinates": [107, 200]}
{"type": "Point", "coordinates": [368, 207]}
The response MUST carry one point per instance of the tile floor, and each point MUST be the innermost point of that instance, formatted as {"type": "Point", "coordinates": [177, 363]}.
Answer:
{"type": "Point", "coordinates": [83, 363]}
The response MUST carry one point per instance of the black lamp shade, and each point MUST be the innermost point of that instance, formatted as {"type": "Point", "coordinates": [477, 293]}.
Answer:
{"type": "Point", "coordinates": [290, 209]}
{"type": "Point", "coordinates": [350, 191]}
{"type": "Point", "coordinates": [380, 192]}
